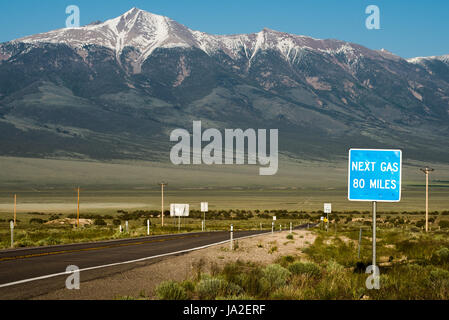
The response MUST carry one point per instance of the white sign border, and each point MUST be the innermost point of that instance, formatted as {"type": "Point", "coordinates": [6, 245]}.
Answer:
{"type": "Point", "coordinates": [349, 175]}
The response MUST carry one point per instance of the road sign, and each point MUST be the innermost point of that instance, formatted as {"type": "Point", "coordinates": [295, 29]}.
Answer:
{"type": "Point", "coordinates": [204, 206]}
{"type": "Point", "coordinates": [274, 218]}
{"type": "Point", "coordinates": [11, 224]}
{"type": "Point", "coordinates": [375, 175]}
{"type": "Point", "coordinates": [179, 210]}
{"type": "Point", "coordinates": [328, 208]}
{"type": "Point", "coordinates": [322, 219]}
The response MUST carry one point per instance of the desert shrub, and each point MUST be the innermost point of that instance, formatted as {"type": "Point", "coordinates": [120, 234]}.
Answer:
{"type": "Point", "coordinates": [188, 285]}
{"type": "Point", "coordinates": [254, 283]}
{"type": "Point", "coordinates": [24, 243]}
{"type": "Point", "coordinates": [272, 249]}
{"type": "Point", "coordinates": [309, 268]}
{"type": "Point", "coordinates": [342, 252]}
{"type": "Point", "coordinates": [198, 267]}
{"type": "Point", "coordinates": [231, 271]}
{"type": "Point", "coordinates": [444, 224]}
{"type": "Point", "coordinates": [290, 237]}
{"type": "Point", "coordinates": [116, 222]}
{"type": "Point", "coordinates": [421, 223]}
{"type": "Point", "coordinates": [170, 290]}
{"type": "Point", "coordinates": [289, 292]}
{"type": "Point", "coordinates": [285, 260]}
{"type": "Point", "coordinates": [276, 276]}
{"type": "Point", "coordinates": [49, 241]}
{"type": "Point", "coordinates": [100, 222]}
{"type": "Point", "coordinates": [336, 283]}
{"type": "Point", "coordinates": [231, 289]}
{"type": "Point", "coordinates": [441, 256]}
{"type": "Point", "coordinates": [37, 221]}
{"type": "Point", "coordinates": [439, 275]}
{"type": "Point", "coordinates": [439, 282]}
{"type": "Point", "coordinates": [209, 289]}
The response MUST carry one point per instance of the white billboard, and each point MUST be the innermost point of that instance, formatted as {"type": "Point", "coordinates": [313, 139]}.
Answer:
{"type": "Point", "coordinates": [179, 210]}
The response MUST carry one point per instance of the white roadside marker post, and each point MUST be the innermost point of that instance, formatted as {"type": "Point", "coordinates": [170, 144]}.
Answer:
{"type": "Point", "coordinates": [272, 228]}
{"type": "Point", "coordinates": [204, 209]}
{"type": "Point", "coordinates": [120, 229]}
{"type": "Point", "coordinates": [290, 227]}
{"type": "Point", "coordinates": [148, 227]}
{"type": "Point", "coordinates": [261, 227]}
{"type": "Point", "coordinates": [11, 224]}
{"type": "Point", "coordinates": [126, 226]}
{"type": "Point", "coordinates": [232, 237]}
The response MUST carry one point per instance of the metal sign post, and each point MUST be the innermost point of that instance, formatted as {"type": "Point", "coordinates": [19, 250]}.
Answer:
{"type": "Point", "coordinates": [179, 210]}
{"type": "Point", "coordinates": [374, 176]}
{"type": "Point", "coordinates": [272, 227]}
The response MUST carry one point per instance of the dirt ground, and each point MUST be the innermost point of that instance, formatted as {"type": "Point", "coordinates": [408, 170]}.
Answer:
{"type": "Point", "coordinates": [142, 281]}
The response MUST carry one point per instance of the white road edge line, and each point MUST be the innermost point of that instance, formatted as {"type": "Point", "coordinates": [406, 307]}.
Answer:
{"type": "Point", "coordinates": [125, 262]}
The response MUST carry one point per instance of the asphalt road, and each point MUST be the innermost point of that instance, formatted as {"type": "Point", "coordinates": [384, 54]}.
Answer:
{"type": "Point", "coordinates": [48, 264]}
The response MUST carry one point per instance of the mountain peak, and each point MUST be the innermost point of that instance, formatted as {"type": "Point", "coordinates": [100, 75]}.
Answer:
{"type": "Point", "coordinates": [145, 32]}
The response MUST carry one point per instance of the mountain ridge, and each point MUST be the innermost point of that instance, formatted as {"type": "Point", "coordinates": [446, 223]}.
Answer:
{"type": "Point", "coordinates": [116, 89]}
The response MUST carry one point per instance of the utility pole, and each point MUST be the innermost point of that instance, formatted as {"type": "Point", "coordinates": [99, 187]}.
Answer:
{"type": "Point", "coordinates": [78, 210]}
{"type": "Point", "coordinates": [15, 210]}
{"type": "Point", "coordinates": [162, 184]}
{"type": "Point", "coordinates": [426, 171]}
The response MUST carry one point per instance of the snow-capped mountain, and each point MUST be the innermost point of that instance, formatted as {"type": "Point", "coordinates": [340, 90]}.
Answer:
{"type": "Point", "coordinates": [114, 89]}
{"type": "Point", "coordinates": [444, 58]}
{"type": "Point", "coordinates": [145, 32]}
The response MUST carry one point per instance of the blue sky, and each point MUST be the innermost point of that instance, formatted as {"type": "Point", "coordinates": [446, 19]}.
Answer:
{"type": "Point", "coordinates": [408, 28]}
